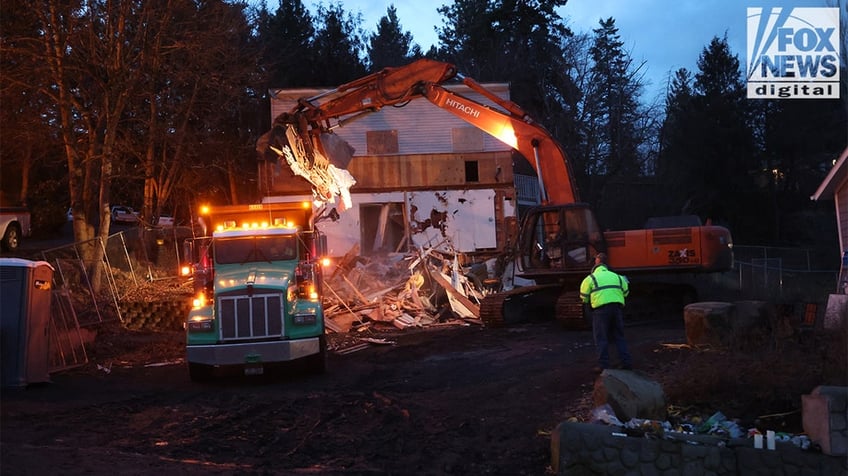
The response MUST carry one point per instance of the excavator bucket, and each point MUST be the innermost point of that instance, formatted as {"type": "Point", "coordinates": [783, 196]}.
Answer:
{"type": "Point", "coordinates": [311, 145]}
{"type": "Point", "coordinates": [321, 160]}
{"type": "Point", "coordinates": [263, 146]}
{"type": "Point", "coordinates": [335, 149]}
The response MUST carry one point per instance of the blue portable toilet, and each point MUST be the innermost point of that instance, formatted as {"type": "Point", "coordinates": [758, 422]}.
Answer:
{"type": "Point", "coordinates": [25, 300]}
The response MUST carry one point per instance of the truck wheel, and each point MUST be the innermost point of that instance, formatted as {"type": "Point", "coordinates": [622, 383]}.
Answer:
{"type": "Point", "coordinates": [199, 373]}
{"type": "Point", "coordinates": [12, 237]}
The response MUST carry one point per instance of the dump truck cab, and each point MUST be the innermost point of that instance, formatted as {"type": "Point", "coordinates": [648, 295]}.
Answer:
{"type": "Point", "coordinates": [258, 290]}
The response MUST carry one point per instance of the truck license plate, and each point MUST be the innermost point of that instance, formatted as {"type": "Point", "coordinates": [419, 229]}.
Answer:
{"type": "Point", "coordinates": [253, 370]}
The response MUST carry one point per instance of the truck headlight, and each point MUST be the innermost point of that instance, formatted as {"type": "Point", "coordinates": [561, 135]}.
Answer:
{"type": "Point", "coordinates": [305, 317]}
{"type": "Point", "coordinates": [200, 323]}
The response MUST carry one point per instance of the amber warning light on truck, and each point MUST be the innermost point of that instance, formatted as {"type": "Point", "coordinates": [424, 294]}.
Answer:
{"type": "Point", "coordinates": [256, 217]}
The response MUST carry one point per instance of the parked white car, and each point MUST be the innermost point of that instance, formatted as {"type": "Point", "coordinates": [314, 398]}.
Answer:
{"type": "Point", "coordinates": [124, 214]}
{"type": "Point", "coordinates": [14, 225]}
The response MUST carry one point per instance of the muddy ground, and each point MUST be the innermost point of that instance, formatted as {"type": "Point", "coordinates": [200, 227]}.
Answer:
{"type": "Point", "coordinates": [444, 400]}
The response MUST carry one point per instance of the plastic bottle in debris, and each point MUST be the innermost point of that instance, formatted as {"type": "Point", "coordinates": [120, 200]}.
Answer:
{"type": "Point", "coordinates": [801, 441]}
{"type": "Point", "coordinates": [711, 422]}
{"type": "Point", "coordinates": [731, 428]}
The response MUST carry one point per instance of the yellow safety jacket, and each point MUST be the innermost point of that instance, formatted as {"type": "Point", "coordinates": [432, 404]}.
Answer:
{"type": "Point", "coordinates": [604, 287]}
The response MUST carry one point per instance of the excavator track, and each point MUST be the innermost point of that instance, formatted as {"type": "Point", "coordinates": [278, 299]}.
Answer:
{"type": "Point", "coordinates": [524, 304]}
{"type": "Point", "coordinates": [569, 311]}
{"type": "Point", "coordinates": [534, 303]}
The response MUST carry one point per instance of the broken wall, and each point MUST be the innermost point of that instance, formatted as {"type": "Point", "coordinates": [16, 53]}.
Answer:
{"type": "Point", "coordinates": [424, 179]}
{"type": "Point", "coordinates": [453, 221]}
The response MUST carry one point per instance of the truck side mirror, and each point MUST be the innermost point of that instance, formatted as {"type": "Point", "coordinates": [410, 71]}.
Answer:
{"type": "Point", "coordinates": [308, 279]}
{"type": "Point", "coordinates": [321, 244]}
{"type": "Point", "coordinates": [187, 261]}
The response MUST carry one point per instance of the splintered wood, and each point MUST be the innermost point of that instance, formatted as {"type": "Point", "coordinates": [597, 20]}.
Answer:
{"type": "Point", "coordinates": [369, 294]}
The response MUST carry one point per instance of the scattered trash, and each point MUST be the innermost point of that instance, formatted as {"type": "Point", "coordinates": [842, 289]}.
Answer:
{"type": "Point", "coordinates": [711, 424]}
{"type": "Point", "coordinates": [732, 429]}
{"type": "Point", "coordinates": [647, 428]}
{"type": "Point", "coordinates": [165, 364]}
{"type": "Point", "coordinates": [605, 414]}
{"type": "Point", "coordinates": [801, 441]}
{"type": "Point", "coordinates": [378, 341]}
{"type": "Point", "coordinates": [717, 425]}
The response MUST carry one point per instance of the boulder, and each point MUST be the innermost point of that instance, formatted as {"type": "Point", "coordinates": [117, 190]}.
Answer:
{"type": "Point", "coordinates": [708, 323]}
{"type": "Point", "coordinates": [630, 395]}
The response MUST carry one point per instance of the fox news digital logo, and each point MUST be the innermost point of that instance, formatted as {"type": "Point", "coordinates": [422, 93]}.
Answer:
{"type": "Point", "coordinates": [793, 53]}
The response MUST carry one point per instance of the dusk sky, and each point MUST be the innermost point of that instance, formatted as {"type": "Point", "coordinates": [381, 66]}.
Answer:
{"type": "Point", "coordinates": [664, 34]}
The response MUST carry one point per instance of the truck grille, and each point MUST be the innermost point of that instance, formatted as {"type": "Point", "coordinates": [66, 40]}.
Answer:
{"type": "Point", "coordinates": [251, 317]}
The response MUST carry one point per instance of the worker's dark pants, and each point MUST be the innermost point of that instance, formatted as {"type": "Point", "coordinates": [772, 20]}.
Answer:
{"type": "Point", "coordinates": [608, 327]}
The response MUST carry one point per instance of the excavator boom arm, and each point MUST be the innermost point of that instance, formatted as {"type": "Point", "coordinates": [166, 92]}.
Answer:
{"type": "Point", "coordinates": [517, 130]}
{"type": "Point", "coordinates": [387, 87]}
{"type": "Point", "coordinates": [426, 78]}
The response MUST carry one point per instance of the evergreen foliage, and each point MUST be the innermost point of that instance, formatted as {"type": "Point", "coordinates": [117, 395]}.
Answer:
{"type": "Point", "coordinates": [151, 101]}
{"type": "Point", "coordinates": [391, 46]}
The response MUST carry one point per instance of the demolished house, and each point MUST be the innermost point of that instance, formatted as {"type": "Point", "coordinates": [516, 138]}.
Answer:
{"type": "Point", "coordinates": [431, 198]}
{"type": "Point", "coordinates": [424, 178]}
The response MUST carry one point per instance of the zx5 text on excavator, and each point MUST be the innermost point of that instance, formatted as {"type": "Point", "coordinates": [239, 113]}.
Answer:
{"type": "Point", "coordinates": [557, 240]}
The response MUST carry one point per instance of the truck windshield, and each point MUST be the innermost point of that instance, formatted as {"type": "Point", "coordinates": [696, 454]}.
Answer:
{"type": "Point", "coordinates": [255, 249]}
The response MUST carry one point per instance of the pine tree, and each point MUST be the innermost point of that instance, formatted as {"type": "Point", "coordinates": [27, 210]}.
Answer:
{"type": "Point", "coordinates": [391, 46]}
{"type": "Point", "coordinates": [337, 46]}
{"type": "Point", "coordinates": [708, 154]}
{"type": "Point", "coordinates": [672, 170]}
{"type": "Point", "coordinates": [614, 100]}
{"type": "Point", "coordinates": [287, 39]}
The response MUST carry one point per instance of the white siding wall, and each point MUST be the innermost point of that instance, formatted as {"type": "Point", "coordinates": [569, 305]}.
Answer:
{"type": "Point", "coordinates": [422, 127]}
{"type": "Point", "coordinates": [469, 224]}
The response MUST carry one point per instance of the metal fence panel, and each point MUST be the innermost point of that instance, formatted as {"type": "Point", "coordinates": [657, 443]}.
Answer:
{"type": "Point", "coordinates": [129, 258]}
{"type": "Point", "coordinates": [784, 274]}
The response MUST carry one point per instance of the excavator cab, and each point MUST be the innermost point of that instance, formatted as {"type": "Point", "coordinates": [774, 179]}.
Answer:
{"type": "Point", "coordinates": [559, 239]}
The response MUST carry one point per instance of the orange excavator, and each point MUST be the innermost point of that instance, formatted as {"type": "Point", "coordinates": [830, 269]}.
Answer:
{"type": "Point", "coordinates": [557, 240]}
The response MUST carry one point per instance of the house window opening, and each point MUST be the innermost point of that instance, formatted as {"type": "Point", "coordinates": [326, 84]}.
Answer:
{"type": "Point", "coordinates": [472, 173]}
{"type": "Point", "coordinates": [382, 228]}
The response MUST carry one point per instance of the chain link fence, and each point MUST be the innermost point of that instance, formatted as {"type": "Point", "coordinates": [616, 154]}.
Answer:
{"type": "Point", "coordinates": [785, 274]}
{"type": "Point", "coordinates": [129, 259]}
{"type": "Point", "coordinates": [137, 256]}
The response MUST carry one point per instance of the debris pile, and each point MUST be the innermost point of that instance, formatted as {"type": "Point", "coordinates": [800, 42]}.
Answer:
{"type": "Point", "coordinates": [679, 425]}
{"type": "Point", "coordinates": [364, 295]}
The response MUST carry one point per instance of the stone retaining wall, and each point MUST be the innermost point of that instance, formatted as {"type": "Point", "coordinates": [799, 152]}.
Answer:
{"type": "Point", "coordinates": [155, 315]}
{"type": "Point", "coordinates": [588, 448]}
